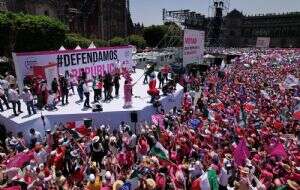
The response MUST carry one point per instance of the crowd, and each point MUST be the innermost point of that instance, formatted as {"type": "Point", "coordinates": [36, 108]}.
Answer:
{"type": "Point", "coordinates": [242, 133]}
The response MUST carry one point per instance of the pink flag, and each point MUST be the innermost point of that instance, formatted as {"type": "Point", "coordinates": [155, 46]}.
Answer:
{"type": "Point", "coordinates": [158, 119]}
{"type": "Point", "coordinates": [19, 160]}
{"type": "Point", "coordinates": [241, 153]}
{"type": "Point", "coordinates": [278, 150]}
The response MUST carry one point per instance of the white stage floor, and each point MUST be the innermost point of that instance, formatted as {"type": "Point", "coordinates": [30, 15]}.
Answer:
{"type": "Point", "coordinates": [113, 112]}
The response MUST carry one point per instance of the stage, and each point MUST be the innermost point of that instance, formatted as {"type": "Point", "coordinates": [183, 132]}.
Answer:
{"type": "Point", "coordinates": [113, 112]}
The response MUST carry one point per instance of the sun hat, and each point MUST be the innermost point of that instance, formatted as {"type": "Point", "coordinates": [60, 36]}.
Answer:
{"type": "Point", "coordinates": [92, 177]}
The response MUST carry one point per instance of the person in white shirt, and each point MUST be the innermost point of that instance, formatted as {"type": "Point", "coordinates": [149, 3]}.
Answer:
{"type": "Point", "coordinates": [10, 78]}
{"type": "Point", "coordinates": [14, 99]}
{"type": "Point", "coordinates": [34, 137]}
{"type": "Point", "coordinates": [3, 98]}
{"type": "Point", "coordinates": [86, 92]}
{"type": "Point", "coordinates": [224, 175]}
{"type": "Point", "coordinates": [28, 99]}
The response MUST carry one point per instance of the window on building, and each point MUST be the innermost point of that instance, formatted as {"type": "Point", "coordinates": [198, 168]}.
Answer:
{"type": "Point", "coordinates": [162, 58]}
{"type": "Point", "coordinates": [46, 12]}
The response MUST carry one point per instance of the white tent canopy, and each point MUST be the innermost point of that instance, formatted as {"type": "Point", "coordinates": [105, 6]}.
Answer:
{"type": "Point", "coordinates": [77, 47]}
{"type": "Point", "coordinates": [92, 46]}
{"type": "Point", "coordinates": [62, 48]}
{"type": "Point", "coordinates": [208, 56]}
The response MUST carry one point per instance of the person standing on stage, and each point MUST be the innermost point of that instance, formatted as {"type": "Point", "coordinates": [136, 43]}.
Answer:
{"type": "Point", "coordinates": [127, 94]}
{"type": "Point", "coordinates": [153, 91]}
{"type": "Point", "coordinates": [105, 81]}
{"type": "Point", "coordinates": [3, 97]}
{"type": "Point", "coordinates": [116, 82]}
{"type": "Point", "coordinates": [44, 93]}
{"type": "Point", "coordinates": [96, 89]}
{"type": "Point", "coordinates": [64, 90]}
{"type": "Point", "coordinates": [107, 86]}
{"type": "Point", "coordinates": [86, 92]}
{"type": "Point", "coordinates": [5, 85]}
{"type": "Point", "coordinates": [80, 88]}
{"type": "Point", "coordinates": [165, 71]}
{"type": "Point", "coordinates": [160, 79]}
{"type": "Point", "coordinates": [28, 99]}
{"type": "Point", "coordinates": [54, 88]}
{"type": "Point", "coordinates": [14, 99]}
{"type": "Point", "coordinates": [10, 78]}
{"type": "Point", "coordinates": [83, 75]}
{"type": "Point", "coordinates": [100, 86]}
{"type": "Point", "coordinates": [73, 82]}
{"type": "Point", "coordinates": [110, 86]}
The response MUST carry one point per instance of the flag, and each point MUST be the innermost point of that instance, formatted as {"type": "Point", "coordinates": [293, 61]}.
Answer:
{"type": "Point", "coordinates": [194, 123]}
{"type": "Point", "coordinates": [241, 153]}
{"type": "Point", "coordinates": [208, 181]}
{"type": "Point", "coordinates": [283, 187]}
{"type": "Point", "coordinates": [291, 81]}
{"type": "Point", "coordinates": [278, 150]}
{"type": "Point", "coordinates": [159, 151]}
{"type": "Point", "coordinates": [158, 120]}
{"type": "Point", "coordinates": [213, 179]}
{"type": "Point", "coordinates": [130, 184]}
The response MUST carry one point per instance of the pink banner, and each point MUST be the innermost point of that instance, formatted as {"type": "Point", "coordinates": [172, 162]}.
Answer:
{"type": "Point", "coordinates": [278, 150]}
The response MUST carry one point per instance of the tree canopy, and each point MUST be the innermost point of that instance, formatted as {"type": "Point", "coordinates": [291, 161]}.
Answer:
{"type": "Point", "coordinates": [169, 34]}
{"type": "Point", "coordinates": [23, 32]}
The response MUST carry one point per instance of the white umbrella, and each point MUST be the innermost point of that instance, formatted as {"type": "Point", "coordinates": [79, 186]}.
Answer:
{"type": "Point", "coordinates": [92, 46]}
{"type": "Point", "coordinates": [77, 47]}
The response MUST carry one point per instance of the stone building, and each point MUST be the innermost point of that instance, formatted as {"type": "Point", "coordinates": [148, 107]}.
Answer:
{"type": "Point", "coordinates": [103, 19]}
{"type": "Point", "coordinates": [283, 29]}
{"type": "Point", "coordinates": [239, 30]}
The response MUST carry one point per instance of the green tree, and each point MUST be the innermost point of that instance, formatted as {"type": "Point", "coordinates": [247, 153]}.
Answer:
{"type": "Point", "coordinates": [100, 43]}
{"type": "Point", "coordinates": [137, 40]}
{"type": "Point", "coordinates": [117, 41]}
{"type": "Point", "coordinates": [22, 32]}
{"type": "Point", "coordinates": [154, 34]}
{"type": "Point", "coordinates": [167, 35]}
{"type": "Point", "coordinates": [72, 40]}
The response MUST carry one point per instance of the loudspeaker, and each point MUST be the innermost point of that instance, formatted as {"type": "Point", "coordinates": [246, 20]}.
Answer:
{"type": "Point", "coordinates": [87, 122]}
{"type": "Point", "coordinates": [134, 117]}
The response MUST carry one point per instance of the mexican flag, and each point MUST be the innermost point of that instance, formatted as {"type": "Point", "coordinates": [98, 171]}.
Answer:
{"type": "Point", "coordinates": [208, 181]}
{"type": "Point", "coordinates": [159, 151]}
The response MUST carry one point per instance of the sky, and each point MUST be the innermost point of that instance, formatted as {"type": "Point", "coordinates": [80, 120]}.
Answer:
{"type": "Point", "coordinates": [149, 12]}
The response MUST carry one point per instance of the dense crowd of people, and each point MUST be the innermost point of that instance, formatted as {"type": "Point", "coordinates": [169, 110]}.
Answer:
{"type": "Point", "coordinates": [242, 132]}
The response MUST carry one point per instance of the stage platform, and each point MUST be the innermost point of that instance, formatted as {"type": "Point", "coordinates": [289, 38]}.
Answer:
{"type": "Point", "coordinates": [113, 112]}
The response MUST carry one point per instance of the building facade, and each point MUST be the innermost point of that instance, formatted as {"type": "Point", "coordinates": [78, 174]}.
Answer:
{"type": "Point", "coordinates": [238, 30]}
{"type": "Point", "coordinates": [103, 19]}
{"type": "Point", "coordinates": [283, 29]}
